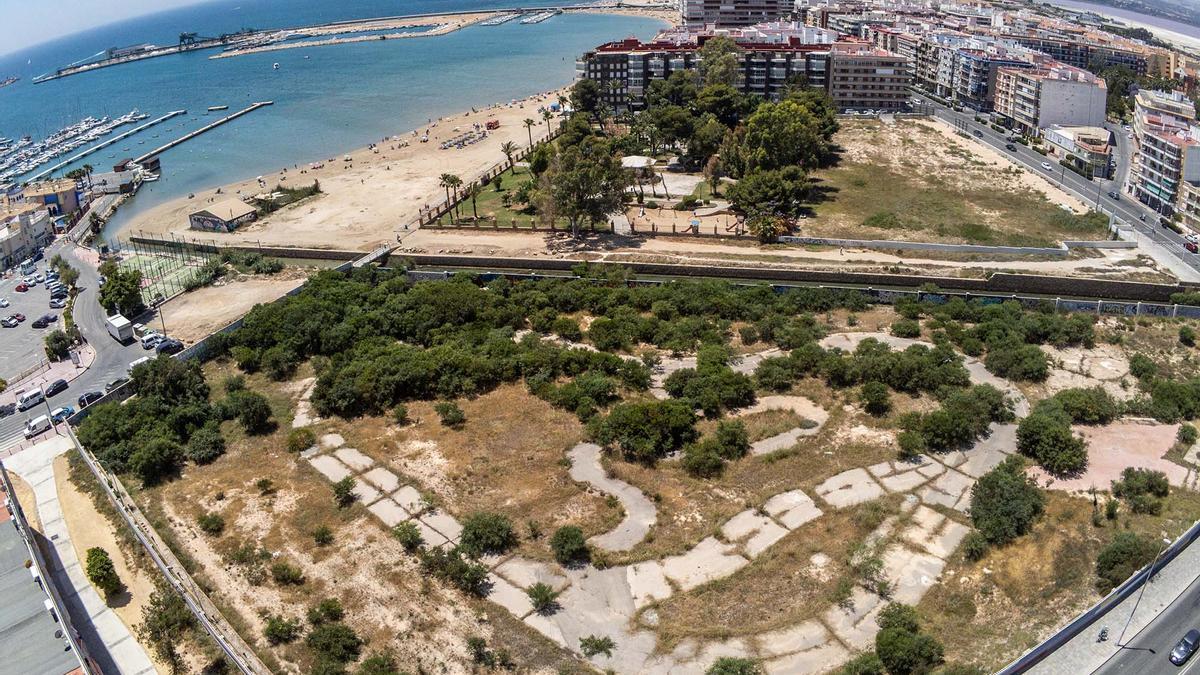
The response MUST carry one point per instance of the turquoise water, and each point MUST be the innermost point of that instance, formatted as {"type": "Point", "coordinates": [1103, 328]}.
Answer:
{"type": "Point", "coordinates": [340, 97]}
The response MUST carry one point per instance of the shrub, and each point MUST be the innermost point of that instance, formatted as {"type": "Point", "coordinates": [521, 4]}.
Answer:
{"type": "Point", "coordinates": [975, 546]}
{"type": "Point", "coordinates": [1136, 481]}
{"type": "Point", "coordinates": [911, 443]}
{"type": "Point", "coordinates": [408, 535]}
{"type": "Point", "coordinates": [1015, 361]}
{"type": "Point", "coordinates": [593, 645]}
{"type": "Point", "coordinates": [299, 440]}
{"type": "Point", "coordinates": [450, 414]}
{"type": "Point", "coordinates": [211, 523]}
{"type": "Point", "coordinates": [253, 411]}
{"type": "Point", "coordinates": [866, 663]}
{"type": "Point", "coordinates": [101, 571]}
{"type": "Point", "coordinates": [206, 444]}
{"type": "Point", "coordinates": [285, 573]}
{"type": "Point", "coordinates": [1046, 436]}
{"type": "Point", "coordinates": [730, 440]}
{"type": "Point", "coordinates": [343, 492]}
{"type": "Point", "coordinates": [543, 597]}
{"type": "Point", "coordinates": [1110, 509]}
{"type": "Point", "coordinates": [400, 415]}
{"type": "Point", "coordinates": [334, 641]}
{"type": "Point", "coordinates": [451, 566]}
{"type": "Point", "coordinates": [58, 345]}
{"type": "Point", "coordinates": [1187, 435]}
{"type": "Point", "coordinates": [906, 328]}
{"type": "Point", "coordinates": [326, 611]}
{"type": "Point", "coordinates": [487, 533]}
{"type": "Point", "coordinates": [280, 630]}
{"type": "Point", "coordinates": [1092, 405]}
{"type": "Point", "coordinates": [898, 615]}
{"type": "Point", "coordinates": [701, 460]}
{"type": "Point", "coordinates": [323, 536]}
{"type": "Point", "coordinates": [646, 431]}
{"type": "Point", "coordinates": [155, 460]}
{"type": "Point", "coordinates": [876, 398]}
{"type": "Point", "coordinates": [1142, 367]}
{"type": "Point", "coordinates": [1187, 336]}
{"type": "Point", "coordinates": [903, 651]}
{"type": "Point", "coordinates": [234, 383]}
{"type": "Point", "coordinates": [732, 665]}
{"type": "Point", "coordinates": [1123, 556]}
{"type": "Point", "coordinates": [1005, 503]}
{"type": "Point", "coordinates": [569, 545]}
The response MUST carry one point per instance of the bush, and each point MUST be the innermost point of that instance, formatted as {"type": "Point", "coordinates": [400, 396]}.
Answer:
{"type": "Point", "coordinates": [732, 665]}
{"type": "Point", "coordinates": [898, 615]}
{"type": "Point", "coordinates": [1142, 367]}
{"type": "Point", "coordinates": [58, 345]}
{"type": "Point", "coordinates": [906, 328]}
{"type": "Point", "coordinates": [450, 414]}
{"type": "Point", "coordinates": [730, 440]}
{"type": "Point", "coordinates": [253, 411]}
{"type": "Point", "coordinates": [101, 571]}
{"type": "Point", "coordinates": [400, 415]}
{"type": "Point", "coordinates": [1187, 336]}
{"type": "Point", "coordinates": [543, 598]}
{"type": "Point", "coordinates": [285, 573]}
{"type": "Point", "coordinates": [975, 546]}
{"type": "Point", "coordinates": [902, 651]}
{"type": "Point", "coordinates": [911, 443]}
{"type": "Point", "coordinates": [155, 460]}
{"type": "Point", "coordinates": [646, 431]}
{"type": "Point", "coordinates": [408, 535]}
{"type": "Point", "coordinates": [701, 460]}
{"type": "Point", "coordinates": [343, 492]}
{"type": "Point", "coordinates": [323, 535]}
{"type": "Point", "coordinates": [1046, 436]}
{"type": "Point", "coordinates": [593, 645]}
{"type": "Point", "coordinates": [1123, 556]}
{"type": "Point", "coordinates": [1092, 405]}
{"type": "Point", "coordinates": [382, 663]}
{"type": "Point", "coordinates": [569, 545]}
{"type": "Point", "coordinates": [1135, 481]}
{"type": "Point", "coordinates": [866, 663]}
{"type": "Point", "coordinates": [326, 611]}
{"type": "Point", "coordinates": [876, 398]}
{"type": "Point", "coordinates": [280, 630]}
{"type": "Point", "coordinates": [484, 533]}
{"type": "Point", "coordinates": [1187, 435]}
{"type": "Point", "coordinates": [1020, 362]}
{"type": "Point", "coordinates": [211, 523]}
{"type": "Point", "coordinates": [299, 440]}
{"type": "Point", "coordinates": [206, 444]}
{"type": "Point", "coordinates": [1005, 503]}
{"type": "Point", "coordinates": [451, 566]}
{"type": "Point", "coordinates": [334, 641]}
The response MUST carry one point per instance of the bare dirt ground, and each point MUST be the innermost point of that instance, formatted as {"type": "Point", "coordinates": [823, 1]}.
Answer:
{"type": "Point", "coordinates": [24, 497]}
{"type": "Point", "coordinates": [1114, 447]}
{"type": "Point", "coordinates": [367, 200]}
{"type": "Point", "coordinates": [89, 528]}
{"type": "Point", "coordinates": [196, 314]}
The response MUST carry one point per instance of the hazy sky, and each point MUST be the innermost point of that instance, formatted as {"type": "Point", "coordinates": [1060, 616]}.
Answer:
{"type": "Point", "coordinates": [24, 23]}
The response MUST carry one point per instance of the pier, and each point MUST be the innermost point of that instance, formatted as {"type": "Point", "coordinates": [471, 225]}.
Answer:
{"type": "Point", "coordinates": [204, 129]}
{"type": "Point", "coordinates": [183, 46]}
{"type": "Point", "coordinates": [105, 144]}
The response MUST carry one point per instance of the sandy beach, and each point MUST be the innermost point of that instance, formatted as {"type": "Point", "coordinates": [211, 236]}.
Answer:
{"type": "Point", "coordinates": [369, 194]}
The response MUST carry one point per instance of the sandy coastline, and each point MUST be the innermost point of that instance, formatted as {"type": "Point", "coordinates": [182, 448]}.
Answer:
{"type": "Point", "coordinates": [369, 194]}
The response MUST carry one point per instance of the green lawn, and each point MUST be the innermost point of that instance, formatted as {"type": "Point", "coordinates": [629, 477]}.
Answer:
{"type": "Point", "coordinates": [490, 204]}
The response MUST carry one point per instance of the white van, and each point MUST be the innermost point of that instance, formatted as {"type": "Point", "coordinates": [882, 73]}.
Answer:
{"type": "Point", "coordinates": [135, 364]}
{"type": "Point", "coordinates": [36, 426]}
{"type": "Point", "coordinates": [29, 399]}
{"type": "Point", "coordinates": [149, 340]}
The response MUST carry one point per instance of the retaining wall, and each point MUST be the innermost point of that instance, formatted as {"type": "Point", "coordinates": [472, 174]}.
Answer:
{"type": "Point", "coordinates": [886, 244]}
{"type": "Point", "coordinates": [270, 251]}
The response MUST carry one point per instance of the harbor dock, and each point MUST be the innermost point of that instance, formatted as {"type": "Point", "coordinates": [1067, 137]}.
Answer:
{"type": "Point", "coordinates": [105, 144]}
{"type": "Point", "coordinates": [204, 129]}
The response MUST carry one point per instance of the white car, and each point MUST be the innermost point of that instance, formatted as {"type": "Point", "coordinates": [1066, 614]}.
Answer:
{"type": "Point", "coordinates": [150, 340]}
{"type": "Point", "coordinates": [4, 302]}
{"type": "Point", "coordinates": [58, 303]}
{"type": "Point", "coordinates": [1046, 166]}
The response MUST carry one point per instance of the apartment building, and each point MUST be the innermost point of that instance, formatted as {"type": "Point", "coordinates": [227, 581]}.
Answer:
{"type": "Point", "coordinates": [1037, 98]}
{"type": "Point", "coordinates": [1166, 150]}
{"type": "Point", "coordinates": [626, 68]}
{"type": "Point", "coordinates": [1085, 54]}
{"type": "Point", "coordinates": [863, 76]}
{"type": "Point", "coordinates": [973, 81]}
{"type": "Point", "coordinates": [23, 232]}
{"type": "Point", "coordinates": [720, 13]}
{"type": "Point", "coordinates": [1086, 148]}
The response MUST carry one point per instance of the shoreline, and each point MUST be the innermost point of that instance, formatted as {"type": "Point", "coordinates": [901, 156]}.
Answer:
{"type": "Point", "coordinates": [1174, 38]}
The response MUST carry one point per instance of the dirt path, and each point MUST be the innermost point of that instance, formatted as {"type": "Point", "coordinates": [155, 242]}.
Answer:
{"type": "Point", "coordinates": [88, 528]}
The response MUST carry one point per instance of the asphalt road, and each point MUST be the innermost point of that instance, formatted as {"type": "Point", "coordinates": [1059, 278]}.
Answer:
{"type": "Point", "coordinates": [1093, 192]}
{"type": "Point", "coordinates": [112, 358]}
{"type": "Point", "coordinates": [1147, 652]}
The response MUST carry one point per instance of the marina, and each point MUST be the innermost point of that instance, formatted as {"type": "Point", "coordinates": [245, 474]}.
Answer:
{"type": "Point", "coordinates": [105, 144]}
{"type": "Point", "coordinates": [540, 17]}
{"type": "Point", "coordinates": [202, 130]}
{"type": "Point", "coordinates": [25, 155]}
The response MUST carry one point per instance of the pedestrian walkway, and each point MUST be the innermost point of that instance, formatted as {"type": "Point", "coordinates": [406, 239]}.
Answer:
{"type": "Point", "coordinates": [108, 640]}
{"type": "Point", "coordinates": [61, 370]}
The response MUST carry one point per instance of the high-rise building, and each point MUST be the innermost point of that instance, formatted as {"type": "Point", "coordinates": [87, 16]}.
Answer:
{"type": "Point", "coordinates": [1037, 98]}
{"type": "Point", "coordinates": [863, 76]}
{"type": "Point", "coordinates": [723, 13]}
{"type": "Point", "coordinates": [1166, 150]}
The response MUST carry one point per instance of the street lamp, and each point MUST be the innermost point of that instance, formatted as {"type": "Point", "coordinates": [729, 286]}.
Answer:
{"type": "Point", "coordinates": [1142, 591]}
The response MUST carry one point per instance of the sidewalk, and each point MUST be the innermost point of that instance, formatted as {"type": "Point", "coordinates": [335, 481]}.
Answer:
{"type": "Point", "coordinates": [62, 370]}
{"type": "Point", "coordinates": [107, 638]}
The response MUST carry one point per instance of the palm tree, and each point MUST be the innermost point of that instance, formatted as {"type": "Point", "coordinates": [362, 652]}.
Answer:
{"type": "Point", "coordinates": [455, 183]}
{"type": "Point", "coordinates": [87, 171]}
{"type": "Point", "coordinates": [546, 115]}
{"type": "Point", "coordinates": [448, 181]}
{"type": "Point", "coordinates": [474, 192]}
{"type": "Point", "coordinates": [529, 130]}
{"type": "Point", "coordinates": [509, 149]}
{"type": "Point", "coordinates": [562, 101]}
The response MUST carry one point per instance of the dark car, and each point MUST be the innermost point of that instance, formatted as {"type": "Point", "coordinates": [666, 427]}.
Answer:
{"type": "Point", "coordinates": [1191, 246]}
{"type": "Point", "coordinates": [168, 346]}
{"type": "Point", "coordinates": [44, 320]}
{"type": "Point", "coordinates": [6, 410]}
{"type": "Point", "coordinates": [90, 397]}
{"type": "Point", "coordinates": [55, 387]}
{"type": "Point", "coordinates": [1114, 196]}
{"type": "Point", "coordinates": [1186, 647]}
{"type": "Point", "coordinates": [978, 133]}
{"type": "Point", "coordinates": [60, 293]}
{"type": "Point", "coordinates": [1010, 147]}
{"type": "Point", "coordinates": [115, 383]}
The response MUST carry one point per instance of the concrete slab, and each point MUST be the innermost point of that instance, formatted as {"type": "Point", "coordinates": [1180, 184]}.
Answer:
{"type": "Point", "coordinates": [911, 574]}
{"type": "Point", "coordinates": [524, 573]}
{"type": "Point", "coordinates": [515, 600]}
{"type": "Point", "coordinates": [815, 660]}
{"type": "Point", "coordinates": [932, 470]}
{"type": "Point", "coordinates": [743, 525]}
{"type": "Point", "coordinates": [764, 539]}
{"type": "Point", "coordinates": [880, 469]}
{"type": "Point", "coordinates": [330, 467]}
{"type": "Point", "coordinates": [364, 493]}
{"type": "Point", "coordinates": [383, 480]}
{"type": "Point", "coordinates": [388, 512]}
{"type": "Point", "coordinates": [709, 560]}
{"type": "Point", "coordinates": [640, 514]}
{"type": "Point", "coordinates": [409, 498]}
{"type": "Point", "coordinates": [792, 508]}
{"type": "Point", "coordinates": [444, 523]}
{"type": "Point", "coordinates": [903, 482]}
{"type": "Point", "coordinates": [855, 624]}
{"type": "Point", "coordinates": [799, 637]}
{"type": "Point", "coordinates": [329, 441]}
{"type": "Point", "coordinates": [647, 583]}
{"type": "Point", "coordinates": [354, 459]}
{"type": "Point", "coordinates": [849, 488]}
{"type": "Point", "coordinates": [430, 536]}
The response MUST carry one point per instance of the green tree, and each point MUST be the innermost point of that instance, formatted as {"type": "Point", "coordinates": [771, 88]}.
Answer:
{"type": "Point", "coordinates": [122, 292]}
{"type": "Point", "coordinates": [165, 620]}
{"type": "Point", "coordinates": [646, 430]}
{"type": "Point", "coordinates": [780, 192]}
{"type": "Point", "coordinates": [587, 183]}
{"type": "Point", "coordinates": [585, 96]}
{"type": "Point", "coordinates": [58, 345]}
{"type": "Point", "coordinates": [101, 571]}
{"type": "Point", "coordinates": [334, 641]}
{"type": "Point", "coordinates": [487, 533]}
{"type": "Point", "coordinates": [876, 398]}
{"type": "Point", "coordinates": [280, 630]}
{"type": "Point", "coordinates": [569, 545]}
{"type": "Point", "coordinates": [784, 134]}
{"type": "Point", "coordinates": [720, 62]}
{"type": "Point", "coordinates": [1046, 436]}
{"type": "Point", "coordinates": [1005, 503]}
{"type": "Point", "coordinates": [509, 149]}
{"type": "Point", "coordinates": [904, 652]}
{"type": "Point", "coordinates": [722, 101]}
{"type": "Point", "coordinates": [1124, 555]}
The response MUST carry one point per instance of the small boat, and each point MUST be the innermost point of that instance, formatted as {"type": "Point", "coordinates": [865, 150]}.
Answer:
{"type": "Point", "coordinates": [215, 108]}
{"type": "Point", "coordinates": [275, 66]}
{"type": "Point", "coordinates": [150, 178]}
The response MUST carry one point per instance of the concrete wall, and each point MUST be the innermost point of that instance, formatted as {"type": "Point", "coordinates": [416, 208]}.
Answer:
{"type": "Point", "coordinates": [1071, 103]}
{"type": "Point", "coordinates": [886, 244]}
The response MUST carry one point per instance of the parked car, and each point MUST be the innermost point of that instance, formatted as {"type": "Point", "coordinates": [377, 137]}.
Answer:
{"type": "Point", "coordinates": [61, 414]}
{"type": "Point", "coordinates": [39, 278]}
{"type": "Point", "coordinates": [8, 409]}
{"type": "Point", "coordinates": [37, 425]}
{"type": "Point", "coordinates": [1185, 647]}
{"type": "Point", "coordinates": [149, 340]}
{"type": "Point", "coordinates": [28, 399]}
{"type": "Point", "coordinates": [60, 294]}
{"type": "Point", "coordinates": [4, 302]}
{"type": "Point", "coordinates": [9, 322]}
{"type": "Point", "coordinates": [115, 383]}
{"type": "Point", "coordinates": [169, 346]}
{"type": "Point", "coordinates": [19, 317]}
{"type": "Point", "coordinates": [1046, 166]}
{"type": "Point", "coordinates": [87, 398]}
{"type": "Point", "coordinates": [56, 387]}
{"type": "Point", "coordinates": [58, 303]}
{"type": "Point", "coordinates": [44, 320]}
{"type": "Point", "coordinates": [22, 287]}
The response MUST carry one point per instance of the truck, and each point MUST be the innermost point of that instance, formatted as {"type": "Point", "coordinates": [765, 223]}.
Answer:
{"type": "Point", "coordinates": [120, 328]}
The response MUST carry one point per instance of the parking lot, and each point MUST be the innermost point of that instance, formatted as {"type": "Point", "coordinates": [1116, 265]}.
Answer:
{"type": "Point", "coordinates": [22, 347]}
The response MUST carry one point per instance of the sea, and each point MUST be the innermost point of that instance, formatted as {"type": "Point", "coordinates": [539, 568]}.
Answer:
{"type": "Point", "coordinates": [327, 99]}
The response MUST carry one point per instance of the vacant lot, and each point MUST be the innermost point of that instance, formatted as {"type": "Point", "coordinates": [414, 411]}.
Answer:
{"type": "Point", "coordinates": [911, 181]}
